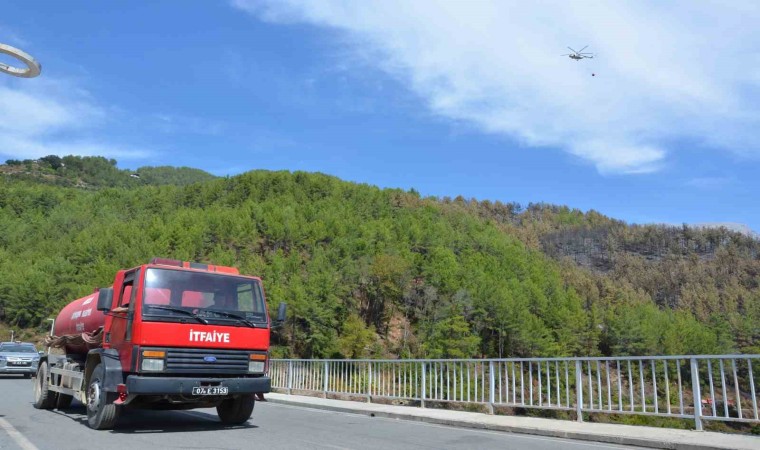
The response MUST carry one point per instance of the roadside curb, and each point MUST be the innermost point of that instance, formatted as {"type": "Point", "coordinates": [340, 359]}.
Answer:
{"type": "Point", "coordinates": [474, 424]}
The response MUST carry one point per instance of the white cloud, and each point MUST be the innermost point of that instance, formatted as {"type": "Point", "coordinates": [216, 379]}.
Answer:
{"type": "Point", "coordinates": [664, 71]}
{"type": "Point", "coordinates": [41, 117]}
{"type": "Point", "coordinates": [16, 147]}
{"type": "Point", "coordinates": [45, 107]}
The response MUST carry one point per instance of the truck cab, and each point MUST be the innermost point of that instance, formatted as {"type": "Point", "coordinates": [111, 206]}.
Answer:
{"type": "Point", "coordinates": [175, 335]}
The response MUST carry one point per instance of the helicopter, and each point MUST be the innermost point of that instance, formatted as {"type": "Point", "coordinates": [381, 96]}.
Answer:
{"type": "Point", "coordinates": [579, 55]}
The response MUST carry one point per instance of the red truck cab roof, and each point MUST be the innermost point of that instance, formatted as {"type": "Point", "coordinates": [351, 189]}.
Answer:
{"type": "Point", "coordinates": [194, 265]}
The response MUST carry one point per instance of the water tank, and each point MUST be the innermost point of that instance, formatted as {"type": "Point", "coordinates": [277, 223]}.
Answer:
{"type": "Point", "coordinates": [79, 316]}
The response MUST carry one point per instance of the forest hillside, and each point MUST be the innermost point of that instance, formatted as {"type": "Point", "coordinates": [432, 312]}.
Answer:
{"type": "Point", "coordinates": [383, 272]}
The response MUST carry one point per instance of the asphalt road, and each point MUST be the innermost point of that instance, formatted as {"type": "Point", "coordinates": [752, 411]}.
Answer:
{"type": "Point", "coordinates": [272, 427]}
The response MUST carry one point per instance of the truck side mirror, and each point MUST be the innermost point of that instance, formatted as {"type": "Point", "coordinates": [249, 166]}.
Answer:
{"type": "Point", "coordinates": [281, 312]}
{"type": "Point", "coordinates": [105, 299]}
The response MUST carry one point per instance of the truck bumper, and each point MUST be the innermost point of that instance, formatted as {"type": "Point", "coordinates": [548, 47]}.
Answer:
{"type": "Point", "coordinates": [161, 385]}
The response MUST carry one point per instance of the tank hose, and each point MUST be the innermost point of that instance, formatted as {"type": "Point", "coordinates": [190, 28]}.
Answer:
{"type": "Point", "coordinates": [91, 339]}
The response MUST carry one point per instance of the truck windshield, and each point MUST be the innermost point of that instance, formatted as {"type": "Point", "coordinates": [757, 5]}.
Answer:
{"type": "Point", "coordinates": [205, 295]}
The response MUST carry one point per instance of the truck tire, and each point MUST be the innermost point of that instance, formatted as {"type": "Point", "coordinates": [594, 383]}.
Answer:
{"type": "Point", "coordinates": [236, 411]}
{"type": "Point", "coordinates": [44, 398]}
{"type": "Point", "coordinates": [101, 412]}
{"type": "Point", "coordinates": [64, 401]}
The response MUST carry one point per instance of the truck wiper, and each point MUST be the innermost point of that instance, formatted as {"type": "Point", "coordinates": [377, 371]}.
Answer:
{"type": "Point", "coordinates": [180, 310]}
{"type": "Point", "coordinates": [233, 316]}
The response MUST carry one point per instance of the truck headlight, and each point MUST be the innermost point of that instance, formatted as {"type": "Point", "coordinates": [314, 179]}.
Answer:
{"type": "Point", "coordinates": [258, 363]}
{"type": "Point", "coordinates": [256, 366]}
{"type": "Point", "coordinates": [153, 365]}
{"type": "Point", "coordinates": [152, 360]}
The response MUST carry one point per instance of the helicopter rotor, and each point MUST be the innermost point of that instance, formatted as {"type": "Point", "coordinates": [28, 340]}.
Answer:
{"type": "Point", "coordinates": [579, 54]}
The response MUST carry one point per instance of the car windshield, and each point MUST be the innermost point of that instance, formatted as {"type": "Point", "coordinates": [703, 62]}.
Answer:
{"type": "Point", "coordinates": [202, 294]}
{"type": "Point", "coordinates": [17, 348]}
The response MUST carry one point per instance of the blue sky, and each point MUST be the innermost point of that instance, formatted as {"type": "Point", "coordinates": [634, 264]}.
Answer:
{"type": "Point", "coordinates": [449, 98]}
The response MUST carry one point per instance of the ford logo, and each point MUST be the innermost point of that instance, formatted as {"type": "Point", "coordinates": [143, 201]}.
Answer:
{"type": "Point", "coordinates": [209, 358]}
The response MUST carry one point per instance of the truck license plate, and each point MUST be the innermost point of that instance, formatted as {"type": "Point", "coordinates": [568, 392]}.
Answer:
{"type": "Point", "coordinates": [210, 390]}
{"type": "Point", "coordinates": [18, 363]}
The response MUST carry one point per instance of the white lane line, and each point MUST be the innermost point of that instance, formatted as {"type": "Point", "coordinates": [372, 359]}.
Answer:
{"type": "Point", "coordinates": [20, 439]}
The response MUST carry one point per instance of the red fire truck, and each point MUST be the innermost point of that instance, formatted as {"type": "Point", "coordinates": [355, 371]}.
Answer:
{"type": "Point", "coordinates": [166, 335]}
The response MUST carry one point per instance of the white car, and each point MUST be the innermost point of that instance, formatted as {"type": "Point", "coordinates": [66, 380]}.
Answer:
{"type": "Point", "coordinates": [18, 357]}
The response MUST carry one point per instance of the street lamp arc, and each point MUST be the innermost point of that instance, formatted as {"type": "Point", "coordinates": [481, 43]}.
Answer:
{"type": "Point", "coordinates": [32, 69]}
{"type": "Point", "coordinates": [52, 325]}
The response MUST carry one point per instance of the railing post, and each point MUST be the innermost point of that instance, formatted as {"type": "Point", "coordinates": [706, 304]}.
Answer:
{"type": "Point", "coordinates": [424, 383]}
{"type": "Point", "coordinates": [325, 384]}
{"type": "Point", "coordinates": [290, 377]}
{"type": "Point", "coordinates": [407, 382]}
{"type": "Point", "coordinates": [491, 387]}
{"type": "Point", "coordinates": [697, 394]}
{"type": "Point", "coordinates": [369, 382]}
{"type": "Point", "coordinates": [578, 391]}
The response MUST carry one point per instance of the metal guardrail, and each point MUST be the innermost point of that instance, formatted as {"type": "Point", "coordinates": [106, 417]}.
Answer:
{"type": "Point", "coordinates": [722, 386]}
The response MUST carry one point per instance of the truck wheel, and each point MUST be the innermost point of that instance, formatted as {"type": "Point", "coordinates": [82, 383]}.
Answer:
{"type": "Point", "coordinates": [44, 398]}
{"type": "Point", "coordinates": [235, 411]}
{"type": "Point", "coordinates": [64, 401]}
{"type": "Point", "coordinates": [101, 412]}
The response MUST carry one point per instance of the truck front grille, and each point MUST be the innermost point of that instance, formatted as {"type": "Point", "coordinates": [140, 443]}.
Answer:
{"type": "Point", "coordinates": [206, 361]}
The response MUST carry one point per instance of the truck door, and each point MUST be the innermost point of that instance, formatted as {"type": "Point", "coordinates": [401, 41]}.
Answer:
{"type": "Point", "coordinates": [123, 317]}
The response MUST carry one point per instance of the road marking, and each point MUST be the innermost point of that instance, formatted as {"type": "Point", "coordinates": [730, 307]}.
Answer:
{"type": "Point", "coordinates": [20, 439]}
